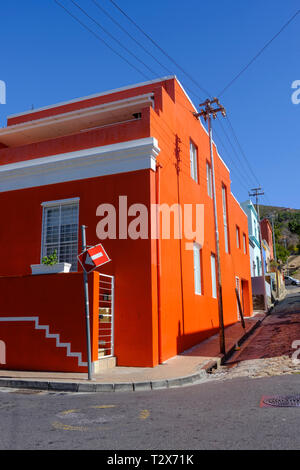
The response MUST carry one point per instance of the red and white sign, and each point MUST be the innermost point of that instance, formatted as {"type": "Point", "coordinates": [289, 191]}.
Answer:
{"type": "Point", "coordinates": [93, 258]}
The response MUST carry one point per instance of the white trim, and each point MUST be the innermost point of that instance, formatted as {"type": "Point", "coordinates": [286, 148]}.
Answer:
{"type": "Point", "coordinates": [56, 336]}
{"type": "Point", "coordinates": [239, 204]}
{"type": "Point", "coordinates": [213, 271]}
{"type": "Point", "coordinates": [83, 119]}
{"type": "Point", "coordinates": [87, 163]}
{"type": "Point", "coordinates": [60, 201]}
{"type": "Point", "coordinates": [89, 97]}
{"type": "Point", "coordinates": [197, 268]}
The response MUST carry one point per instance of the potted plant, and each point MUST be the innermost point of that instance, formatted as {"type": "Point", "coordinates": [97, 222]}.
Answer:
{"type": "Point", "coordinates": [50, 265]}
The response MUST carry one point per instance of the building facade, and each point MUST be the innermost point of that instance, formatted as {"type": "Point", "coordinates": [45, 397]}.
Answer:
{"type": "Point", "coordinates": [105, 161]}
{"type": "Point", "coordinates": [267, 235]}
{"type": "Point", "coordinates": [254, 243]}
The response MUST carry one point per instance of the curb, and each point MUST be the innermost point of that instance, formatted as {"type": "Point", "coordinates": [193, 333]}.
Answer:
{"type": "Point", "coordinates": [104, 387]}
{"type": "Point", "coordinates": [129, 386]}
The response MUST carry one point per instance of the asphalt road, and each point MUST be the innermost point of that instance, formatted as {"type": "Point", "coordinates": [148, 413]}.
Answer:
{"type": "Point", "coordinates": [211, 415]}
{"type": "Point", "coordinates": [224, 412]}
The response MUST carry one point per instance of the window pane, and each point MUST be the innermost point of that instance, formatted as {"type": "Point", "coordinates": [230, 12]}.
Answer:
{"type": "Point", "coordinates": [225, 218]}
{"type": "Point", "coordinates": [213, 276]}
{"type": "Point", "coordinates": [193, 160]}
{"type": "Point", "coordinates": [197, 269]}
{"type": "Point", "coordinates": [61, 233]}
{"type": "Point", "coordinates": [209, 179]}
{"type": "Point", "coordinates": [237, 237]}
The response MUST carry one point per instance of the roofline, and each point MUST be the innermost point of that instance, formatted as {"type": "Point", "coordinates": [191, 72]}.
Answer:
{"type": "Point", "coordinates": [96, 95]}
{"type": "Point", "coordinates": [239, 203]}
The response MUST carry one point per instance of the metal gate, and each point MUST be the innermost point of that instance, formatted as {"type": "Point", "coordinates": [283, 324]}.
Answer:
{"type": "Point", "coordinates": [106, 316]}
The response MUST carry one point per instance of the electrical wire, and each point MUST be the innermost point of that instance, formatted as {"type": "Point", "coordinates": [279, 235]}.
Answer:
{"type": "Point", "coordinates": [258, 54]}
{"type": "Point", "coordinates": [160, 48]}
{"type": "Point", "coordinates": [171, 59]}
{"type": "Point", "coordinates": [99, 38]}
{"type": "Point", "coordinates": [113, 38]}
{"type": "Point", "coordinates": [129, 35]}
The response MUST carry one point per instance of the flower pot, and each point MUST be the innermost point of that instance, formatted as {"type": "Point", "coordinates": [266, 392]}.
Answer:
{"type": "Point", "coordinates": [50, 269]}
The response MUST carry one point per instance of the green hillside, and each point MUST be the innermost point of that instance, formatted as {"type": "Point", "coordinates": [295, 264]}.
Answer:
{"type": "Point", "coordinates": [287, 229]}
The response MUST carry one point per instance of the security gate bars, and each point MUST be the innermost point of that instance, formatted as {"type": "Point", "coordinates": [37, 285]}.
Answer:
{"type": "Point", "coordinates": [106, 316]}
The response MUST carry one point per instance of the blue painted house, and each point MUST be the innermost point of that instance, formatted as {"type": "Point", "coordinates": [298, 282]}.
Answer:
{"type": "Point", "coordinates": [254, 245]}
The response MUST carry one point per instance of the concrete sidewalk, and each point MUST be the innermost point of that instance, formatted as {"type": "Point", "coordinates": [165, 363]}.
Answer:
{"type": "Point", "coordinates": [188, 367]}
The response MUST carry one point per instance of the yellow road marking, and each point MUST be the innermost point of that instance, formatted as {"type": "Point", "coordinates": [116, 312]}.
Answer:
{"type": "Point", "coordinates": [68, 411]}
{"type": "Point", "coordinates": [144, 414]}
{"type": "Point", "coordinates": [68, 427]}
{"type": "Point", "coordinates": [103, 406]}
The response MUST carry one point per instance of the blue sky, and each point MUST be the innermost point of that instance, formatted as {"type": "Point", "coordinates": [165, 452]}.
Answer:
{"type": "Point", "coordinates": [47, 57]}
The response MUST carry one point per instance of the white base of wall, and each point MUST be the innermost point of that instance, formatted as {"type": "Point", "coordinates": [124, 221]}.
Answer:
{"type": "Point", "coordinates": [103, 364]}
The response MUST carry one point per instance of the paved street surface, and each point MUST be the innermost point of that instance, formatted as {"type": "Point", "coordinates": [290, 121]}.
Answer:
{"type": "Point", "coordinates": [269, 351]}
{"type": "Point", "coordinates": [216, 414]}
{"type": "Point", "coordinates": [212, 415]}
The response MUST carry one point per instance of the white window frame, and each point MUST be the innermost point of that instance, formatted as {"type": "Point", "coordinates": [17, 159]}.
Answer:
{"type": "Point", "coordinates": [225, 221]}
{"type": "Point", "coordinates": [213, 275]}
{"type": "Point", "coordinates": [209, 180]}
{"type": "Point", "coordinates": [237, 236]}
{"type": "Point", "coordinates": [245, 243]}
{"type": "Point", "coordinates": [194, 161]}
{"type": "Point", "coordinates": [197, 268]}
{"type": "Point", "coordinates": [58, 203]}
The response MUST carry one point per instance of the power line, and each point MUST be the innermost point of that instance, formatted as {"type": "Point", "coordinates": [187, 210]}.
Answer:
{"type": "Point", "coordinates": [195, 82]}
{"type": "Point", "coordinates": [259, 53]}
{"type": "Point", "coordinates": [99, 38]}
{"type": "Point", "coordinates": [243, 168]}
{"type": "Point", "coordinates": [235, 168]}
{"type": "Point", "coordinates": [133, 66]}
{"type": "Point", "coordinates": [160, 48]}
{"type": "Point", "coordinates": [112, 37]}
{"type": "Point", "coordinates": [242, 151]}
{"type": "Point", "coordinates": [130, 35]}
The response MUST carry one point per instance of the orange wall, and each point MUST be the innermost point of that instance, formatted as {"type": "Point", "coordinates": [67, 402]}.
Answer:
{"type": "Point", "coordinates": [188, 318]}
{"type": "Point", "coordinates": [156, 316]}
{"type": "Point", "coordinates": [57, 301]}
{"type": "Point", "coordinates": [131, 259]}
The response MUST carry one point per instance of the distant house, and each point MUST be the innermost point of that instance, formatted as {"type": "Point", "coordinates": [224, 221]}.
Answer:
{"type": "Point", "coordinates": [267, 235]}
{"type": "Point", "coordinates": [254, 244]}
{"type": "Point", "coordinates": [266, 255]}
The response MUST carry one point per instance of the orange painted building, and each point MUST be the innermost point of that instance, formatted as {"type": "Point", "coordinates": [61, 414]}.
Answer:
{"type": "Point", "coordinates": [58, 166]}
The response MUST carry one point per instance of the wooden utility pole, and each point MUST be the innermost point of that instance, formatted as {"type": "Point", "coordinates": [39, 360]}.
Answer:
{"type": "Point", "coordinates": [258, 192]}
{"type": "Point", "coordinates": [206, 113]}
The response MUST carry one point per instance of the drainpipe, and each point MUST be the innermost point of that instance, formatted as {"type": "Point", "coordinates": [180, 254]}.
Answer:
{"type": "Point", "coordinates": [158, 250]}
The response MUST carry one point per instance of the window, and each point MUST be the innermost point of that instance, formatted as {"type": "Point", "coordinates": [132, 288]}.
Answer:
{"type": "Point", "coordinates": [237, 286]}
{"type": "Point", "coordinates": [197, 268]}
{"type": "Point", "coordinates": [209, 179]}
{"type": "Point", "coordinates": [193, 159]}
{"type": "Point", "coordinates": [258, 266]}
{"type": "Point", "coordinates": [213, 275]}
{"type": "Point", "coordinates": [224, 201]}
{"type": "Point", "coordinates": [237, 237]}
{"type": "Point", "coordinates": [60, 230]}
{"type": "Point", "coordinates": [245, 243]}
